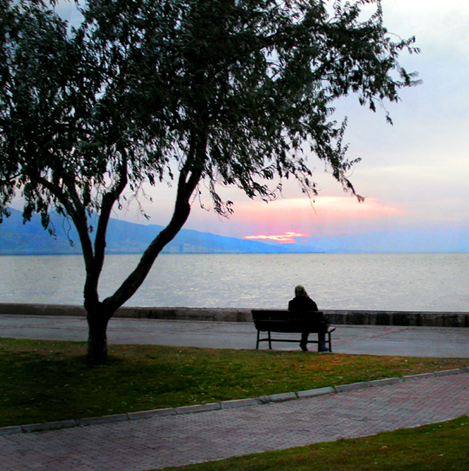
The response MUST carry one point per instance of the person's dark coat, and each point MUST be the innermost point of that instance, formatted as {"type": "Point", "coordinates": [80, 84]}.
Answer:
{"type": "Point", "coordinates": [305, 303]}
{"type": "Point", "coordinates": [302, 303]}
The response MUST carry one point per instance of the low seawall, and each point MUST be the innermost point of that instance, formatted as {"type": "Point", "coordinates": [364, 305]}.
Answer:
{"type": "Point", "coordinates": [336, 317]}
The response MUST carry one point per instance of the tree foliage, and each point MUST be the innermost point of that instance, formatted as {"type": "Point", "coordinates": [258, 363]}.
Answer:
{"type": "Point", "coordinates": [226, 92]}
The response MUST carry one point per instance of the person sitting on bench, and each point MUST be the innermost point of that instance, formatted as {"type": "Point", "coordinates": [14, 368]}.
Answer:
{"type": "Point", "coordinates": [300, 303]}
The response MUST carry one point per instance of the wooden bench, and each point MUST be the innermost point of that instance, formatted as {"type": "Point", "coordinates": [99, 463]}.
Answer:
{"type": "Point", "coordinates": [283, 321]}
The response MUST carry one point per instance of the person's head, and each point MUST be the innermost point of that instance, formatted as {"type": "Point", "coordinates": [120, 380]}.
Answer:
{"type": "Point", "coordinates": [300, 291]}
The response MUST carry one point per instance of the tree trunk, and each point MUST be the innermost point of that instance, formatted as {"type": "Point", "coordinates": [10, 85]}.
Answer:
{"type": "Point", "coordinates": [97, 337]}
{"type": "Point", "coordinates": [99, 313]}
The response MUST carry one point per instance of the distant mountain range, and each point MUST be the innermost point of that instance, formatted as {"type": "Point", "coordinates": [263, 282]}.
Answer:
{"type": "Point", "coordinates": [17, 238]}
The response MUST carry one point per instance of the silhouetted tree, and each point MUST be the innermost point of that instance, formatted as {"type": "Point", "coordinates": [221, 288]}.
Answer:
{"type": "Point", "coordinates": [234, 92]}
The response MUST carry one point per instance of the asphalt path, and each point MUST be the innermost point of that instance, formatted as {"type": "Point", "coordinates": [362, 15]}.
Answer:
{"type": "Point", "coordinates": [442, 342]}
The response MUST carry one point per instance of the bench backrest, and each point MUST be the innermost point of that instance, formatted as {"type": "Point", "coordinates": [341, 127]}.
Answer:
{"type": "Point", "coordinates": [286, 321]}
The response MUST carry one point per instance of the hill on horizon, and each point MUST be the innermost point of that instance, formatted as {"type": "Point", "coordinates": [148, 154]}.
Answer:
{"type": "Point", "coordinates": [17, 238]}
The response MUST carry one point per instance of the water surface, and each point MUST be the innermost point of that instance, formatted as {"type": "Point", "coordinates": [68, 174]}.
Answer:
{"type": "Point", "coordinates": [427, 282]}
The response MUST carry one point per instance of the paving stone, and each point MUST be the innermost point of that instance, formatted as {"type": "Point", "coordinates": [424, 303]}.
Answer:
{"type": "Point", "coordinates": [420, 376]}
{"type": "Point", "coordinates": [315, 392]}
{"type": "Point", "coordinates": [107, 419]}
{"type": "Point", "coordinates": [238, 403]}
{"type": "Point", "coordinates": [283, 397]}
{"type": "Point", "coordinates": [10, 430]}
{"type": "Point", "coordinates": [384, 382]}
{"type": "Point", "coordinates": [198, 408]}
{"type": "Point", "coordinates": [48, 426]}
{"type": "Point", "coordinates": [351, 387]}
{"type": "Point", "coordinates": [151, 413]}
{"type": "Point", "coordinates": [264, 399]}
{"type": "Point", "coordinates": [456, 371]}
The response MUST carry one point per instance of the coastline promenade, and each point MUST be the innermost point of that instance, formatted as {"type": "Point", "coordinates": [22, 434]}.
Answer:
{"type": "Point", "coordinates": [442, 342]}
{"type": "Point", "coordinates": [188, 435]}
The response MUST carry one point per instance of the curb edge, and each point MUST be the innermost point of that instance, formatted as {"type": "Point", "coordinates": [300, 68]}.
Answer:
{"type": "Point", "coordinates": [223, 405]}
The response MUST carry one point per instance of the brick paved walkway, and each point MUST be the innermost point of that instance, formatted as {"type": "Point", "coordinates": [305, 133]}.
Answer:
{"type": "Point", "coordinates": [188, 438]}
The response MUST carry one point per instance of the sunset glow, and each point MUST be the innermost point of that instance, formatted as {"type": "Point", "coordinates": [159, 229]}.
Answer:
{"type": "Point", "coordinates": [287, 238]}
{"type": "Point", "coordinates": [413, 174]}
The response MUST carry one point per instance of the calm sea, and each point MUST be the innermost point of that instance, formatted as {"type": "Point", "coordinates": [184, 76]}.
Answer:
{"type": "Point", "coordinates": [427, 282]}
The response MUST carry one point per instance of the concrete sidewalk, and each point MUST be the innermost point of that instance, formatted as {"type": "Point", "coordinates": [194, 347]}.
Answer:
{"type": "Point", "coordinates": [442, 342]}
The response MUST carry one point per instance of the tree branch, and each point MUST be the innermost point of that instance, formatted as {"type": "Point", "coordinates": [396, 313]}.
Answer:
{"type": "Point", "coordinates": [108, 202]}
{"type": "Point", "coordinates": [76, 211]}
{"type": "Point", "coordinates": [189, 178]}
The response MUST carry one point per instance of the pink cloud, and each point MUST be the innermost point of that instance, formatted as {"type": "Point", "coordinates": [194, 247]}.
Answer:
{"type": "Point", "coordinates": [322, 208]}
{"type": "Point", "coordinates": [287, 220]}
{"type": "Point", "coordinates": [283, 218]}
{"type": "Point", "coordinates": [286, 238]}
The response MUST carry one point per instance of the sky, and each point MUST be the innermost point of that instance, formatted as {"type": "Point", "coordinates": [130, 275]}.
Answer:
{"type": "Point", "coordinates": [413, 175]}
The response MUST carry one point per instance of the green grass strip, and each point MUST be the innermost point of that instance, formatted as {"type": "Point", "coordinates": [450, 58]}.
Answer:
{"type": "Point", "coordinates": [43, 381]}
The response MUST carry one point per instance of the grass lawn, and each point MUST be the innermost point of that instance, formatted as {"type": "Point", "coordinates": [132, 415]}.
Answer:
{"type": "Point", "coordinates": [436, 447]}
{"type": "Point", "coordinates": [44, 381]}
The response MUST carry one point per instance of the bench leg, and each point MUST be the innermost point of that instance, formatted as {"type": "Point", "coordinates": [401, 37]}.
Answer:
{"type": "Point", "coordinates": [257, 343]}
{"type": "Point", "coordinates": [270, 342]}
